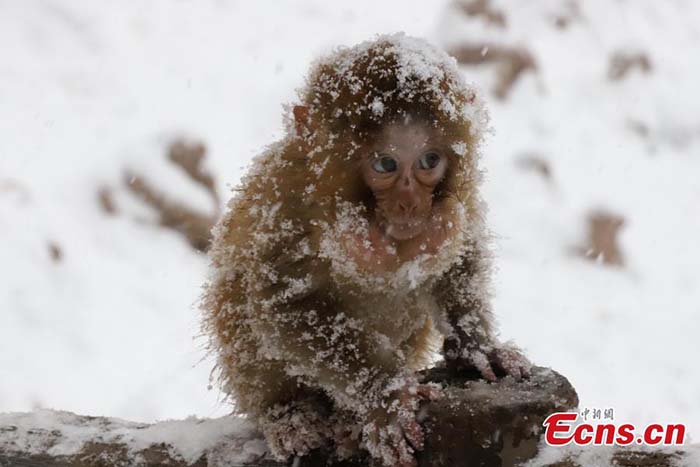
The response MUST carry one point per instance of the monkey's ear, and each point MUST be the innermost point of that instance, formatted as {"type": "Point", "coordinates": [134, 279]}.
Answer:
{"type": "Point", "coordinates": [302, 120]}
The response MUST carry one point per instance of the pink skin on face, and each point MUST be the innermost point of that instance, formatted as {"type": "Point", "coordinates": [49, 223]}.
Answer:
{"type": "Point", "coordinates": [403, 168]}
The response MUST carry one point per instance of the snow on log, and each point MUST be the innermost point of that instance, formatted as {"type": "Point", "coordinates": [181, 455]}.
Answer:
{"type": "Point", "coordinates": [54, 438]}
{"type": "Point", "coordinates": [476, 423]}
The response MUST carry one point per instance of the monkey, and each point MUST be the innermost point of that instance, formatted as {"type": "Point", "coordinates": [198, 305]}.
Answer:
{"type": "Point", "coordinates": [353, 250]}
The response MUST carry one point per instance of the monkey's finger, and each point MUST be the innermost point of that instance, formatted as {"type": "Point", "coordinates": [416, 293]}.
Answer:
{"type": "Point", "coordinates": [509, 365]}
{"type": "Point", "coordinates": [406, 458]}
{"type": "Point", "coordinates": [516, 373]}
{"type": "Point", "coordinates": [482, 362]}
{"type": "Point", "coordinates": [525, 366]}
{"type": "Point", "coordinates": [486, 370]}
{"type": "Point", "coordinates": [489, 374]}
{"type": "Point", "coordinates": [403, 453]}
{"type": "Point", "coordinates": [410, 462]}
{"type": "Point", "coordinates": [513, 363]}
{"type": "Point", "coordinates": [431, 392]}
{"type": "Point", "coordinates": [413, 432]}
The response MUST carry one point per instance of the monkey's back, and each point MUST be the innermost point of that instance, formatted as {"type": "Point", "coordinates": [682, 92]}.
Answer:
{"type": "Point", "coordinates": [257, 251]}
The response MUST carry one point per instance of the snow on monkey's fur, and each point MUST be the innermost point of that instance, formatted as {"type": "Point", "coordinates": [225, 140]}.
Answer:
{"type": "Point", "coordinates": [307, 338]}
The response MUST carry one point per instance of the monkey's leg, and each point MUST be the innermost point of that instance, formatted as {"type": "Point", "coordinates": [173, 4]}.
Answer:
{"type": "Point", "coordinates": [293, 418]}
{"type": "Point", "coordinates": [297, 427]}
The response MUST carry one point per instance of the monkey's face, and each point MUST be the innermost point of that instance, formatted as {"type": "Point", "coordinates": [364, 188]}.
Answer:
{"type": "Point", "coordinates": [402, 169]}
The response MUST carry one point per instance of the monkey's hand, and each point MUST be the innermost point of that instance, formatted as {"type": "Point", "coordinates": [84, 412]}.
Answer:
{"type": "Point", "coordinates": [392, 433]}
{"type": "Point", "coordinates": [492, 361]}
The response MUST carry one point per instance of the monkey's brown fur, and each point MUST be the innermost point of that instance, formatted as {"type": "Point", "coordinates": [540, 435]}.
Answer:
{"type": "Point", "coordinates": [308, 343]}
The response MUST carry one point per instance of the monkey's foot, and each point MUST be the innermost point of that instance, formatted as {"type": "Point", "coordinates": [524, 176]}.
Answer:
{"type": "Point", "coordinates": [295, 429]}
{"type": "Point", "coordinates": [393, 433]}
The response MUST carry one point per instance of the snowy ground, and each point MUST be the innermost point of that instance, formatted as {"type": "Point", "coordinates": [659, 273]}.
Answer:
{"type": "Point", "coordinates": [87, 88]}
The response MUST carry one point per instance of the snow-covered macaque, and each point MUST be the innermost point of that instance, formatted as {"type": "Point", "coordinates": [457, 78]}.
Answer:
{"type": "Point", "coordinates": [350, 250]}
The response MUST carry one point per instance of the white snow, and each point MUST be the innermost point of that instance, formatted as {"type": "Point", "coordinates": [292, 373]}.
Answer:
{"type": "Point", "coordinates": [59, 433]}
{"type": "Point", "coordinates": [602, 456]}
{"type": "Point", "coordinates": [108, 330]}
{"type": "Point", "coordinates": [626, 338]}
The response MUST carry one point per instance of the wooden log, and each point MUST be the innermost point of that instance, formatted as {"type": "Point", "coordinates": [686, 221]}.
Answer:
{"type": "Point", "coordinates": [475, 424]}
{"type": "Point", "coordinates": [621, 458]}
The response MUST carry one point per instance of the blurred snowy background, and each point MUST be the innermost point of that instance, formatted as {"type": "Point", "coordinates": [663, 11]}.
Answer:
{"type": "Point", "coordinates": [593, 184]}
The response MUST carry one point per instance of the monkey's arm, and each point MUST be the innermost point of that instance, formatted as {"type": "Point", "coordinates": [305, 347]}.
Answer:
{"type": "Point", "coordinates": [329, 349]}
{"type": "Point", "coordinates": [470, 340]}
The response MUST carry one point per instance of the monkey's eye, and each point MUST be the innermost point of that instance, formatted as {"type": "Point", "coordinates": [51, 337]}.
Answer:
{"type": "Point", "coordinates": [384, 164]}
{"type": "Point", "coordinates": [428, 161]}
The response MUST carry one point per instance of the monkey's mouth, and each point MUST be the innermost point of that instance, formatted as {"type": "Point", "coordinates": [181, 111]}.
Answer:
{"type": "Point", "coordinates": [405, 229]}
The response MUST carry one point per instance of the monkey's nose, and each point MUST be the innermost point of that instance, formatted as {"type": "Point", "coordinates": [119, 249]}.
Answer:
{"type": "Point", "coordinates": [407, 207]}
